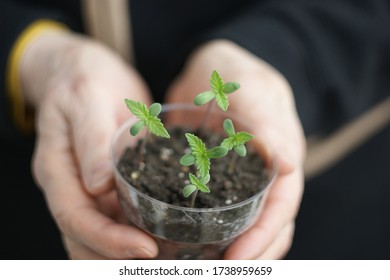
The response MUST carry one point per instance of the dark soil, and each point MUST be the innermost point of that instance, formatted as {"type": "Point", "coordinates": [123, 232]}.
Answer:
{"type": "Point", "coordinates": [163, 178]}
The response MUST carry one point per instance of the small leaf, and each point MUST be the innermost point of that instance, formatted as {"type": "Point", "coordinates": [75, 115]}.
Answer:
{"type": "Point", "coordinates": [217, 152]}
{"type": "Point", "coordinates": [222, 101]}
{"type": "Point", "coordinates": [156, 127]}
{"type": "Point", "coordinates": [228, 127]}
{"type": "Point", "coordinates": [234, 140]}
{"type": "Point", "coordinates": [187, 160]}
{"type": "Point", "coordinates": [216, 82]}
{"type": "Point", "coordinates": [198, 183]}
{"type": "Point", "coordinates": [188, 190]}
{"type": "Point", "coordinates": [204, 97]}
{"type": "Point", "coordinates": [228, 143]}
{"type": "Point", "coordinates": [203, 188]}
{"type": "Point", "coordinates": [242, 137]}
{"type": "Point", "coordinates": [137, 108]}
{"type": "Point", "coordinates": [196, 144]}
{"type": "Point", "coordinates": [231, 87]}
{"type": "Point", "coordinates": [203, 165]}
{"type": "Point", "coordinates": [155, 109]}
{"type": "Point", "coordinates": [240, 150]}
{"type": "Point", "coordinates": [206, 179]}
{"type": "Point", "coordinates": [199, 151]}
{"type": "Point", "coordinates": [136, 128]}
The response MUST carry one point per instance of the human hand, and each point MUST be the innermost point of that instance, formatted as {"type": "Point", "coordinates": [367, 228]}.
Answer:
{"type": "Point", "coordinates": [266, 100]}
{"type": "Point", "coordinates": [77, 88]}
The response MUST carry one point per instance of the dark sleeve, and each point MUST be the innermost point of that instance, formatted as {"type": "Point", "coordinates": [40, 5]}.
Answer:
{"type": "Point", "coordinates": [15, 16]}
{"type": "Point", "coordinates": [335, 54]}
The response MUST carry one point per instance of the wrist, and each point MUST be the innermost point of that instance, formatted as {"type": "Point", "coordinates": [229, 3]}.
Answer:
{"type": "Point", "coordinates": [19, 108]}
{"type": "Point", "coordinates": [40, 61]}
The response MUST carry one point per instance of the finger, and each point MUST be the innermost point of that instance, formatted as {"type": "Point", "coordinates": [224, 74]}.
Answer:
{"type": "Point", "coordinates": [280, 207]}
{"type": "Point", "coordinates": [92, 125]}
{"type": "Point", "coordinates": [77, 251]}
{"type": "Point", "coordinates": [271, 144]}
{"type": "Point", "coordinates": [280, 245]}
{"type": "Point", "coordinates": [94, 121]}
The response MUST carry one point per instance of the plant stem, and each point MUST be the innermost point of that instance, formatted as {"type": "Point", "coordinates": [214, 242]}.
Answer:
{"type": "Point", "coordinates": [232, 163]}
{"type": "Point", "coordinates": [193, 199]}
{"type": "Point", "coordinates": [142, 151]}
{"type": "Point", "coordinates": [205, 118]}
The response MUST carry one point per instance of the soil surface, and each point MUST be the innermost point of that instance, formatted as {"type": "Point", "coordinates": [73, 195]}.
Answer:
{"type": "Point", "coordinates": [163, 177]}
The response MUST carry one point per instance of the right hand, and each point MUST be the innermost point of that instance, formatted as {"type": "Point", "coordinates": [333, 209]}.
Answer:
{"type": "Point", "coordinates": [77, 88]}
{"type": "Point", "coordinates": [266, 101]}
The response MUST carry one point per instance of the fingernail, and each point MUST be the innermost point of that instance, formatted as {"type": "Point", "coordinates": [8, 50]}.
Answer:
{"type": "Point", "coordinates": [99, 175]}
{"type": "Point", "coordinates": [141, 253]}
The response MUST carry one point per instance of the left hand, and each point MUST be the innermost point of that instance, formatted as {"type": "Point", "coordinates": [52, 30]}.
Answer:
{"type": "Point", "coordinates": [77, 87]}
{"type": "Point", "coordinates": [266, 100]}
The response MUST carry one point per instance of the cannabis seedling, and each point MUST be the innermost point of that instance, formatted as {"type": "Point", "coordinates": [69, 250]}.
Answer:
{"type": "Point", "coordinates": [147, 118]}
{"type": "Point", "coordinates": [197, 184]}
{"type": "Point", "coordinates": [200, 156]}
{"type": "Point", "coordinates": [235, 141]}
{"type": "Point", "coordinates": [219, 91]}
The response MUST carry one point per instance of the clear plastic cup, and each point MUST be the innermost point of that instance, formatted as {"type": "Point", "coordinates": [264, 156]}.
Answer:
{"type": "Point", "coordinates": [182, 232]}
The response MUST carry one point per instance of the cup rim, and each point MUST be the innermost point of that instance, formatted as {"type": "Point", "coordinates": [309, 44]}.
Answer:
{"type": "Point", "coordinates": [273, 170]}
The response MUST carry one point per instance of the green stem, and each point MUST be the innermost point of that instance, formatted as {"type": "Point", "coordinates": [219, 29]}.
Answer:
{"type": "Point", "coordinates": [232, 163]}
{"type": "Point", "coordinates": [205, 118]}
{"type": "Point", "coordinates": [142, 151]}
{"type": "Point", "coordinates": [193, 199]}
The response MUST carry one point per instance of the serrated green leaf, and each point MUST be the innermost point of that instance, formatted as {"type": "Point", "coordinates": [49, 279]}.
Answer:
{"type": "Point", "coordinates": [235, 140]}
{"type": "Point", "coordinates": [206, 179]}
{"type": "Point", "coordinates": [228, 127]}
{"type": "Point", "coordinates": [222, 101]}
{"type": "Point", "coordinates": [137, 108]}
{"type": "Point", "coordinates": [203, 188]}
{"type": "Point", "coordinates": [156, 127]}
{"type": "Point", "coordinates": [187, 160]}
{"type": "Point", "coordinates": [136, 128]}
{"type": "Point", "coordinates": [188, 190]}
{"type": "Point", "coordinates": [199, 151]}
{"type": "Point", "coordinates": [231, 87]}
{"type": "Point", "coordinates": [242, 137]}
{"type": "Point", "coordinates": [240, 150]}
{"type": "Point", "coordinates": [196, 144]}
{"type": "Point", "coordinates": [204, 97]}
{"type": "Point", "coordinates": [216, 82]}
{"type": "Point", "coordinates": [203, 165]}
{"type": "Point", "coordinates": [217, 152]}
{"type": "Point", "coordinates": [155, 109]}
{"type": "Point", "coordinates": [198, 183]}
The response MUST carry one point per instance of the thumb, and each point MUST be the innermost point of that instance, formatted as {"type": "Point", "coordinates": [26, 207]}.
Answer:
{"type": "Point", "coordinates": [274, 148]}
{"type": "Point", "coordinates": [92, 129]}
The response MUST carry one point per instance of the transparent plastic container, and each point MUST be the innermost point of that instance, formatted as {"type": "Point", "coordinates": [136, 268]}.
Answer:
{"type": "Point", "coordinates": [181, 232]}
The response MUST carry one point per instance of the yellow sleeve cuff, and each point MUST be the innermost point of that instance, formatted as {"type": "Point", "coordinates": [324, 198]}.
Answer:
{"type": "Point", "coordinates": [22, 115]}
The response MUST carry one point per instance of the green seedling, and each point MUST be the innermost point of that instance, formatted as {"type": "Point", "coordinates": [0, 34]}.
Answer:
{"type": "Point", "coordinates": [197, 184]}
{"type": "Point", "coordinates": [147, 118]}
{"type": "Point", "coordinates": [219, 93]}
{"type": "Point", "coordinates": [200, 156]}
{"type": "Point", "coordinates": [235, 141]}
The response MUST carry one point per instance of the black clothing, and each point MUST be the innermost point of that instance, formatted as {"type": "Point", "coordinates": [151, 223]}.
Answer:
{"type": "Point", "coordinates": [335, 54]}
